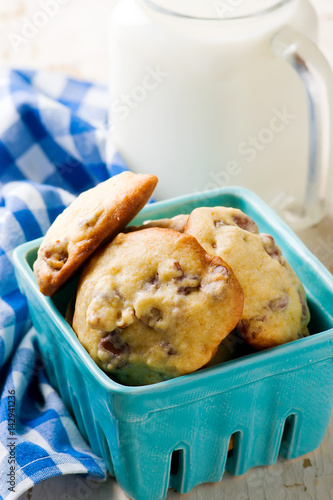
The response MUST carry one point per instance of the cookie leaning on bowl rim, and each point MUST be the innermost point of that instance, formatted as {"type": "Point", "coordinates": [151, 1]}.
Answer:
{"type": "Point", "coordinates": [94, 217]}
{"type": "Point", "coordinates": [275, 307]}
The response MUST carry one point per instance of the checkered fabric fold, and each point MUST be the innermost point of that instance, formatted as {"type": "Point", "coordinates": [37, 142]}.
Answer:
{"type": "Point", "coordinates": [52, 147]}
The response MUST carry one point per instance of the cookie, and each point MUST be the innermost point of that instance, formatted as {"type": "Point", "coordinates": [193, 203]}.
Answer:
{"type": "Point", "coordinates": [275, 308]}
{"type": "Point", "coordinates": [153, 305]}
{"type": "Point", "coordinates": [176, 223]}
{"type": "Point", "coordinates": [94, 216]}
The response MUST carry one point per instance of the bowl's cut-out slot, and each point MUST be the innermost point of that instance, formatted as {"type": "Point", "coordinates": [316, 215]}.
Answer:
{"type": "Point", "coordinates": [233, 454]}
{"type": "Point", "coordinates": [288, 435]}
{"type": "Point", "coordinates": [231, 446]}
{"type": "Point", "coordinates": [177, 469]}
{"type": "Point", "coordinates": [175, 462]}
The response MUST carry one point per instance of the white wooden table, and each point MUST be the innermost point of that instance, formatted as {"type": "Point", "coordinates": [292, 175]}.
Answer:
{"type": "Point", "coordinates": [75, 41]}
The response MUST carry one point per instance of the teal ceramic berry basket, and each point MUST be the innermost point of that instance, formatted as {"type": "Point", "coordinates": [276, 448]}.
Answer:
{"type": "Point", "coordinates": [176, 433]}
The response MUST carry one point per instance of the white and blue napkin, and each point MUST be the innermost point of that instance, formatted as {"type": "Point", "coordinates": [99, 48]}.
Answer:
{"type": "Point", "coordinates": [52, 147]}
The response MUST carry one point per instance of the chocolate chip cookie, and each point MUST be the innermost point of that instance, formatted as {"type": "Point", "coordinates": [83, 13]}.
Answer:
{"type": "Point", "coordinates": [94, 216]}
{"type": "Point", "coordinates": [275, 307]}
{"type": "Point", "coordinates": [153, 305]}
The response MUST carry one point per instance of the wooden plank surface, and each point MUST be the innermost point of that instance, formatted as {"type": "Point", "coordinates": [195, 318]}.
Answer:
{"type": "Point", "coordinates": [60, 46]}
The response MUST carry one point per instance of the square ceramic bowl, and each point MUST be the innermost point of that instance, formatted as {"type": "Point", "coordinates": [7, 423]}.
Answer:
{"type": "Point", "coordinates": [176, 433]}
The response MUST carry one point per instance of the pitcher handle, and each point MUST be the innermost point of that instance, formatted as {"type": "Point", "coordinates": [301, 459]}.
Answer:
{"type": "Point", "coordinates": [316, 75]}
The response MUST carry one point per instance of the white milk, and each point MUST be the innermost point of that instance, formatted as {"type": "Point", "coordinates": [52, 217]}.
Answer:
{"type": "Point", "coordinates": [206, 103]}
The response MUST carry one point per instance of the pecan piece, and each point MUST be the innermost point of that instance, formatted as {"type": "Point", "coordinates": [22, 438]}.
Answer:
{"type": "Point", "coordinates": [56, 254]}
{"type": "Point", "coordinates": [152, 317]}
{"type": "Point", "coordinates": [220, 269]}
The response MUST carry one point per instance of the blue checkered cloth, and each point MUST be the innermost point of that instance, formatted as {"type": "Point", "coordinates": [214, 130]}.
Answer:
{"type": "Point", "coordinates": [52, 146]}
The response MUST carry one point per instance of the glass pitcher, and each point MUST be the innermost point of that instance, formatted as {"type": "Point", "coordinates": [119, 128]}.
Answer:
{"type": "Point", "coordinates": [210, 93]}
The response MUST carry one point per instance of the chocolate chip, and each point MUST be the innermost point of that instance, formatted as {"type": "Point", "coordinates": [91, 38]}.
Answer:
{"type": "Point", "coordinates": [280, 304]}
{"type": "Point", "coordinates": [214, 245]}
{"type": "Point", "coordinates": [219, 223]}
{"type": "Point", "coordinates": [117, 348]}
{"type": "Point", "coordinates": [245, 222]}
{"type": "Point", "coordinates": [107, 344]}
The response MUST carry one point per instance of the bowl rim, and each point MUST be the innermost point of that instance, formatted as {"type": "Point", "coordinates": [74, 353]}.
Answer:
{"type": "Point", "coordinates": [189, 381]}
